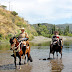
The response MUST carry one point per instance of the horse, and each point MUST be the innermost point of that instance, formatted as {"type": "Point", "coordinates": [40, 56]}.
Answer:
{"type": "Point", "coordinates": [56, 48]}
{"type": "Point", "coordinates": [19, 51]}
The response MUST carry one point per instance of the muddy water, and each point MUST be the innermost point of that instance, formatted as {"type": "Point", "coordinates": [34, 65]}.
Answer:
{"type": "Point", "coordinates": [38, 53]}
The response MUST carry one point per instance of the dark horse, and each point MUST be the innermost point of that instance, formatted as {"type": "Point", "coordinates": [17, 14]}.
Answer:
{"type": "Point", "coordinates": [56, 48]}
{"type": "Point", "coordinates": [18, 51]}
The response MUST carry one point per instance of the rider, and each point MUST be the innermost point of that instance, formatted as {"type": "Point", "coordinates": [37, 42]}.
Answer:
{"type": "Point", "coordinates": [23, 35]}
{"type": "Point", "coordinates": [55, 38]}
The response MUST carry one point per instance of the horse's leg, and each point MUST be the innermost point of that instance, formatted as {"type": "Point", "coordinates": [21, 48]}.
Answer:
{"type": "Point", "coordinates": [50, 49]}
{"type": "Point", "coordinates": [25, 59]}
{"type": "Point", "coordinates": [49, 54]}
{"type": "Point", "coordinates": [53, 54]}
{"type": "Point", "coordinates": [57, 54]}
{"type": "Point", "coordinates": [30, 58]}
{"type": "Point", "coordinates": [19, 56]}
{"type": "Point", "coordinates": [15, 61]}
{"type": "Point", "coordinates": [28, 55]}
{"type": "Point", "coordinates": [61, 53]}
{"type": "Point", "coordinates": [24, 50]}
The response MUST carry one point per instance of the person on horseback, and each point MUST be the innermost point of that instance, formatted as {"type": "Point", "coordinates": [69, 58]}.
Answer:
{"type": "Point", "coordinates": [55, 38]}
{"type": "Point", "coordinates": [56, 44]}
{"type": "Point", "coordinates": [22, 37]}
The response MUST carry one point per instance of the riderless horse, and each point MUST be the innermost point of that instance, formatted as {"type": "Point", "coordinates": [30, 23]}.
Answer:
{"type": "Point", "coordinates": [56, 48]}
{"type": "Point", "coordinates": [18, 51]}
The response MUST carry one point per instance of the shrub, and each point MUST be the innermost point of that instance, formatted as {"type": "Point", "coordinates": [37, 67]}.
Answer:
{"type": "Point", "coordinates": [3, 6]}
{"type": "Point", "coordinates": [14, 13]}
{"type": "Point", "coordinates": [1, 36]}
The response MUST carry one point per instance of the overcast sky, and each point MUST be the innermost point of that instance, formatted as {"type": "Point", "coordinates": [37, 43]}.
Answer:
{"type": "Point", "coordinates": [42, 11]}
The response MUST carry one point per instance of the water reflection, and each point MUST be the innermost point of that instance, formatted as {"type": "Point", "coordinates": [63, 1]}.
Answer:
{"type": "Point", "coordinates": [56, 65]}
{"type": "Point", "coordinates": [11, 68]}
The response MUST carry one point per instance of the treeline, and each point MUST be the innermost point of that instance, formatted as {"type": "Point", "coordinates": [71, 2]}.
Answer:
{"type": "Point", "coordinates": [48, 31]}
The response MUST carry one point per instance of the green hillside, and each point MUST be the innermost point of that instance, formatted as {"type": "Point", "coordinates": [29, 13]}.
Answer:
{"type": "Point", "coordinates": [47, 30]}
{"type": "Point", "coordinates": [10, 23]}
{"type": "Point", "coordinates": [63, 26]}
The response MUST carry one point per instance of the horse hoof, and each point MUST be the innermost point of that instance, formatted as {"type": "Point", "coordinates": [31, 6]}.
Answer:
{"type": "Point", "coordinates": [44, 59]}
{"type": "Point", "coordinates": [27, 63]}
{"type": "Point", "coordinates": [19, 68]}
{"type": "Point", "coordinates": [24, 62]}
{"type": "Point", "coordinates": [15, 67]}
{"type": "Point", "coordinates": [48, 58]}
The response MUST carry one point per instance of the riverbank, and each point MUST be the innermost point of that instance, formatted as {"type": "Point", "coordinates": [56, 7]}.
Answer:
{"type": "Point", "coordinates": [41, 39]}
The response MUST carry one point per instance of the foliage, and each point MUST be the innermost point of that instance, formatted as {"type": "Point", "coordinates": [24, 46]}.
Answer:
{"type": "Point", "coordinates": [47, 30]}
{"type": "Point", "coordinates": [3, 6]}
{"type": "Point", "coordinates": [1, 36]}
{"type": "Point", "coordinates": [42, 30]}
{"type": "Point", "coordinates": [66, 31]}
{"type": "Point", "coordinates": [14, 13]}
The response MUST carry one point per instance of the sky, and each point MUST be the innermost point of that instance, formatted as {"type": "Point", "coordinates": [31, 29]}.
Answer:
{"type": "Point", "coordinates": [42, 11]}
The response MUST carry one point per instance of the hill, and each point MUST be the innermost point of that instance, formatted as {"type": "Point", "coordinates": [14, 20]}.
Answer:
{"type": "Point", "coordinates": [10, 25]}
{"type": "Point", "coordinates": [47, 30]}
{"type": "Point", "coordinates": [63, 26]}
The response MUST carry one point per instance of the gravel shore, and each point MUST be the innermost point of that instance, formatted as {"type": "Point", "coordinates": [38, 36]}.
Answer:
{"type": "Point", "coordinates": [40, 39]}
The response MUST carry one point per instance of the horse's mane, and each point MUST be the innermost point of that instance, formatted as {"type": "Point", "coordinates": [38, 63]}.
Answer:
{"type": "Point", "coordinates": [11, 40]}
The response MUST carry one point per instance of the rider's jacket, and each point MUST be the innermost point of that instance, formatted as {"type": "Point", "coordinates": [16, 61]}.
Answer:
{"type": "Point", "coordinates": [23, 35]}
{"type": "Point", "coordinates": [55, 39]}
{"type": "Point", "coordinates": [21, 38]}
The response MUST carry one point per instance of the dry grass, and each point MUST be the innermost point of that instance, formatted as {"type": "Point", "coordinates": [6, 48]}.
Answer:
{"type": "Point", "coordinates": [10, 24]}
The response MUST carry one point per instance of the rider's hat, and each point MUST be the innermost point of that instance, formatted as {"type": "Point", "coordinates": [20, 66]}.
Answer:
{"type": "Point", "coordinates": [22, 28]}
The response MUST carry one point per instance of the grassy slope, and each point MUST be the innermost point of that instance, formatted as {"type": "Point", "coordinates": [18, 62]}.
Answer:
{"type": "Point", "coordinates": [10, 24]}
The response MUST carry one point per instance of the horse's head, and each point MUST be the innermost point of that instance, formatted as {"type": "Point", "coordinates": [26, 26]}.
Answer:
{"type": "Point", "coordinates": [13, 42]}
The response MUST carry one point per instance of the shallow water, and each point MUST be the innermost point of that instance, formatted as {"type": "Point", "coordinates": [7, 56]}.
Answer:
{"type": "Point", "coordinates": [39, 53]}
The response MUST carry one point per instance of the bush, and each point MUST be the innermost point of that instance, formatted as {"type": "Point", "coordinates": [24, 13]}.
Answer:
{"type": "Point", "coordinates": [31, 37]}
{"type": "Point", "coordinates": [14, 13]}
{"type": "Point", "coordinates": [1, 36]}
{"type": "Point", "coordinates": [7, 37]}
{"type": "Point", "coordinates": [3, 6]}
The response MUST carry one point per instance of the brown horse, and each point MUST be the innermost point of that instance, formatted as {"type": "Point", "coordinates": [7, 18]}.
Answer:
{"type": "Point", "coordinates": [19, 51]}
{"type": "Point", "coordinates": [56, 48]}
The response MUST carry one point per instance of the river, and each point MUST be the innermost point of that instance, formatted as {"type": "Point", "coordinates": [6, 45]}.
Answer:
{"type": "Point", "coordinates": [38, 53]}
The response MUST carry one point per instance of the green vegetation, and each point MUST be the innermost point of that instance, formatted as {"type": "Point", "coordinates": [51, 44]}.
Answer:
{"type": "Point", "coordinates": [3, 6]}
{"type": "Point", "coordinates": [14, 13]}
{"type": "Point", "coordinates": [47, 30]}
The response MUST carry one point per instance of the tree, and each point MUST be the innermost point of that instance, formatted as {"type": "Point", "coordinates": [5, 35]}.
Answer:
{"type": "Point", "coordinates": [14, 13]}
{"type": "Point", "coordinates": [3, 6]}
{"type": "Point", "coordinates": [66, 31]}
{"type": "Point", "coordinates": [60, 31]}
{"type": "Point", "coordinates": [53, 29]}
